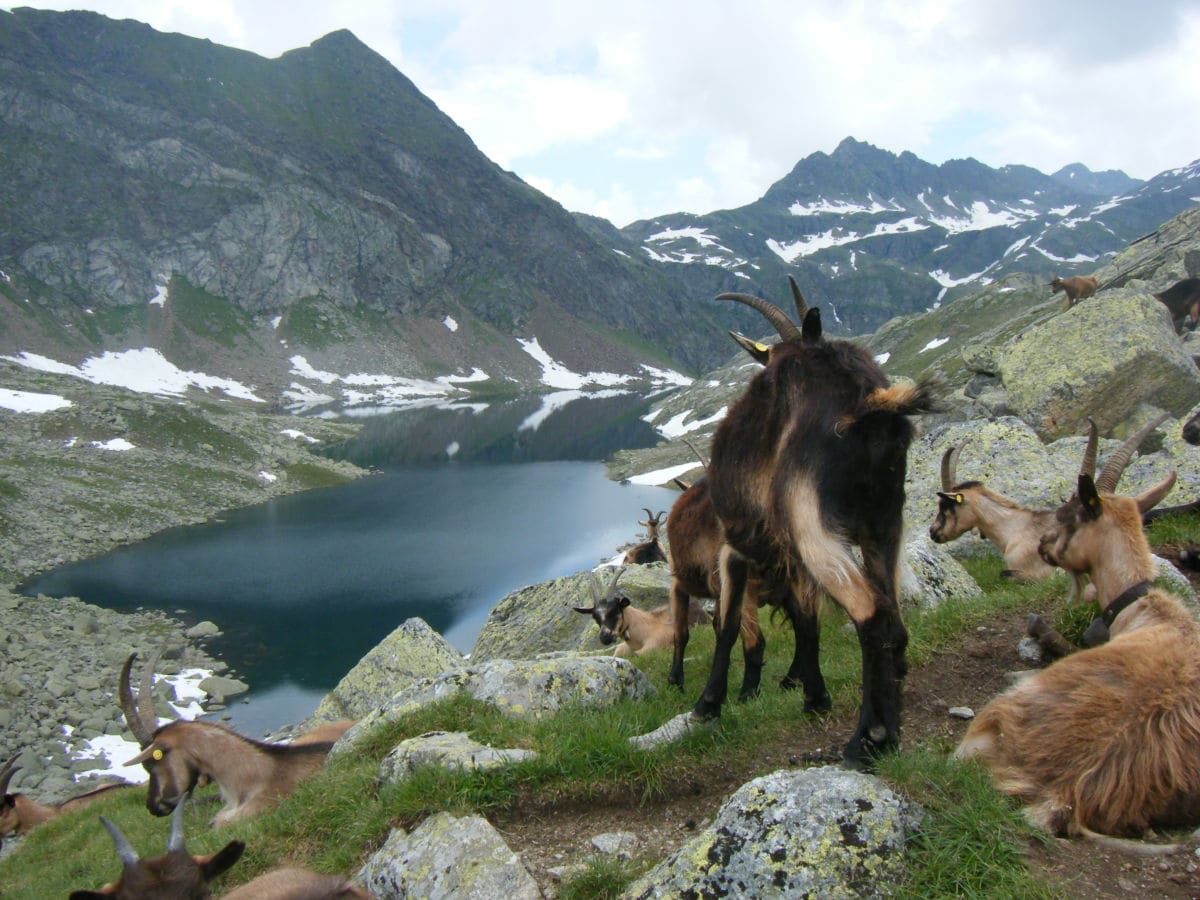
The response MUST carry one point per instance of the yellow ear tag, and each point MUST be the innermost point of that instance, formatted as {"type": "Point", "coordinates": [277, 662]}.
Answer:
{"type": "Point", "coordinates": [761, 348]}
{"type": "Point", "coordinates": [958, 498]}
{"type": "Point", "coordinates": [157, 755]}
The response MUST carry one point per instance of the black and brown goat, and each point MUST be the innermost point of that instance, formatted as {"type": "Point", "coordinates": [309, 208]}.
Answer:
{"type": "Point", "coordinates": [1103, 742]}
{"type": "Point", "coordinates": [20, 814]}
{"type": "Point", "coordinates": [649, 550]}
{"type": "Point", "coordinates": [1182, 299]}
{"type": "Point", "coordinates": [639, 630]}
{"type": "Point", "coordinates": [1078, 287]}
{"type": "Point", "coordinates": [252, 775]}
{"type": "Point", "coordinates": [807, 464]}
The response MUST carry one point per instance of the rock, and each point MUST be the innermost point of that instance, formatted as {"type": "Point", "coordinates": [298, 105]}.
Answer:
{"type": "Point", "coordinates": [447, 857]}
{"type": "Point", "coordinates": [929, 574]}
{"type": "Point", "coordinates": [1099, 360]}
{"type": "Point", "coordinates": [412, 651]}
{"type": "Point", "coordinates": [202, 630]}
{"type": "Point", "coordinates": [541, 619]}
{"type": "Point", "coordinates": [621, 844]}
{"type": "Point", "coordinates": [672, 730]}
{"type": "Point", "coordinates": [526, 689]}
{"type": "Point", "coordinates": [961, 712]}
{"type": "Point", "coordinates": [823, 832]}
{"type": "Point", "coordinates": [1030, 651]}
{"type": "Point", "coordinates": [455, 751]}
{"type": "Point", "coordinates": [221, 688]}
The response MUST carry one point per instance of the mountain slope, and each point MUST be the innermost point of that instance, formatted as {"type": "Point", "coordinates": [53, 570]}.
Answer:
{"type": "Point", "coordinates": [316, 204]}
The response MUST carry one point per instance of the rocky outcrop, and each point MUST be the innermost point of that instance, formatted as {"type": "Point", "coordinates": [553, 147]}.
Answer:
{"type": "Point", "coordinates": [454, 751]}
{"type": "Point", "coordinates": [448, 857]}
{"type": "Point", "coordinates": [824, 832]}
{"type": "Point", "coordinates": [526, 689]}
{"type": "Point", "coordinates": [411, 652]}
{"type": "Point", "coordinates": [929, 575]}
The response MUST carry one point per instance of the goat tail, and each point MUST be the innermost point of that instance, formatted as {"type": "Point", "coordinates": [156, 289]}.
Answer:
{"type": "Point", "coordinates": [905, 399]}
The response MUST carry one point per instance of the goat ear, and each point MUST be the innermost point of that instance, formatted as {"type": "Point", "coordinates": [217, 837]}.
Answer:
{"type": "Point", "coordinates": [623, 601]}
{"type": "Point", "coordinates": [811, 329]}
{"type": "Point", "coordinates": [1089, 498]}
{"type": "Point", "coordinates": [219, 862]}
{"type": "Point", "coordinates": [761, 353]}
{"type": "Point", "coordinates": [951, 498]}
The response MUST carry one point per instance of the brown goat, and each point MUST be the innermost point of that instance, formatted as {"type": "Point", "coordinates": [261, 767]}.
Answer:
{"type": "Point", "coordinates": [1077, 288]}
{"type": "Point", "coordinates": [20, 814]}
{"type": "Point", "coordinates": [650, 550]}
{"type": "Point", "coordinates": [1103, 742]}
{"type": "Point", "coordinates": [1182, 299]}
{"type": "Point", "coordinates": [252, 775]}
{"type": "Point", "coordinates": [808, 463]}
{"type": "Point", "coordinates": [298, 884]}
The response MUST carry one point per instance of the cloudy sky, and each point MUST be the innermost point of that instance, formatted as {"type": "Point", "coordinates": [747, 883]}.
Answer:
{"type": "Point", "coordinates": [627, 109]}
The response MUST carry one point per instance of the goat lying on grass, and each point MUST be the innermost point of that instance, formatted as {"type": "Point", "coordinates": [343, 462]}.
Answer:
{"type": "Point", "coordinates": [177, 875]}
{"type": "Point", "coordinates": [252, 775]}
{"type": "Point", "coordinates": [1104, 741]}
{"type": "Point", "coordinates": [20, 814]}
{"type": "Point", "coordinates": [639, 630]}
{"type": "Point", "coordinates": [809, 462]}
{"type": "Point", "coordinates": [649, 550]}
{"type": "Point", "coordinates": [1080, 287]}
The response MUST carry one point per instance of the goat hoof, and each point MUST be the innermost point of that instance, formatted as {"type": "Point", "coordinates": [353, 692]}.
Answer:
{"type": "Point", "coordinates": [1036, 626]}
{"type": "Point", "coordinates": [822, 704]}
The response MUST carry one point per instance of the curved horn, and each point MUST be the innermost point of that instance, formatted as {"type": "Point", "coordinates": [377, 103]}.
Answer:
{"type": "Point", "coordinates": [175, 841]}
{"type": "Point", "coordinates": [649, 515]}
{"type": "Point", "coordinates": [798, 298]}
{"type": "Point", "coordinates": [612, 585]}
{"type": "Point", "coordinates": [699, 455]}
{"type": "Point", "coordinates": [950, 466]}
{"type": "Point", "coordinates": [125, 851]}
{"type": "Point", "coordinates": [143, 735]}
{"type": "Point", "coordinates": [786, 327]}
{"type": "Point", "coordinates": [10, 769]}
{"type": "Point", "coordinates": [1088, 467]}
{"type": "Point", "coordinates": [1115, 465]}
{"type": "Point", "coordinates": [1150, 498]}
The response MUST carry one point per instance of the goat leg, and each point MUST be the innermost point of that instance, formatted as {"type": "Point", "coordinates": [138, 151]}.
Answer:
{"type": "Point", "coordinates": [754, 651]}
{"type": "Point", "coordinates": [883, 640]}
{"type": "Point", "coordinates": [681, 630]}
{"type": "Point", "coordinates": [805, 670]}
{"type": "Point", "coordinates": [1048, 638]}
{"type": "Point", "coordinates": [733, 586]}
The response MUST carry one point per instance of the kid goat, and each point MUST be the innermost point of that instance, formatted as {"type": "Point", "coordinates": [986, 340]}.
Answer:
{"type": "Point", "coordinates": [20, 814]}
{"type": "Point", "coordinates": [252, 775]}
{"type": "Point", "coordinates": [1103, 742]}
{"type": "Point", "coordinates": [809, 462]}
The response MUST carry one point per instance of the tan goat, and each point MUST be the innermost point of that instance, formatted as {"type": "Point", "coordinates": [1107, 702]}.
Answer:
{"type": "Point", "coordinates": [1080, 287]}
{"type": "Point", "coordinates": [1104, 741]}
{"type": "Point", "coordinates": [639, 630]}
{"type": "Point", "coordinates": [20, 814]}
{"type": "Point", "coordinates": [252, 775]}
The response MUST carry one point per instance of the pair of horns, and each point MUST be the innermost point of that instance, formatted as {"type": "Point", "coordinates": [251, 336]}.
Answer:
{"type": "Point", "coordinates": [126, 853]}
{"type": "Point", "coordinates": [140, 717]}
{"type": "Point", "coordinates": [599, 599]}
{"type": "Point", "coordinates": [6, 773]}
{"type": "Point", "coordinates": [809, 317]}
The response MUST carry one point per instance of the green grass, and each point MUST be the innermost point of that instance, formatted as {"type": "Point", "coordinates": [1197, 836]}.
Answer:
{"type": "Point", "coordinates": [971, 843]}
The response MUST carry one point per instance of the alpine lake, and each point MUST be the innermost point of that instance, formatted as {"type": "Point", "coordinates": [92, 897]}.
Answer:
{"type": "Point", "coordinates": [467, 504]}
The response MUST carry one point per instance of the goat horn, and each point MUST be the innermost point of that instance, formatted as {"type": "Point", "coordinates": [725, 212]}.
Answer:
{"type": "Point", "coordinates": [1089, 452]}
{"type": "Point", "coordinates": [612, 585]}
{"type": "Point", "coordinates": [1115, 465]}
{"type": "Point", "coordinates": [801, 305]}
{"type": "Point", "coordinates": [699, 455]}
{"type": "Point", "coordinates": [950, 466]}
{"type": "Point", "coordinates": [6, 773]}
{"type": "Point", "coordinates": [649, 515]}
{"type": "Point", "coordinates": [175, 841]}
{"type": "Point", "coordinates": [786, 327]}
{"type": "Point", "coordinates": [125, 698]}
{"type": "Point", "coordinates": [125, 851]}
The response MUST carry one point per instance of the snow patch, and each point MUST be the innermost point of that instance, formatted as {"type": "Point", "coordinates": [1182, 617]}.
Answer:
{"type": "Point", "coordinates": [117, 444]}
{"type": "Point", "coordinates": [31, 402]}
{"type": "Point", "coordinates": [450, 323]}
{"type": "Point", "coordinates": [675, 427]}
{"type": "Point", "coordinates": [662, 476]}
{"type": "Point", "coordinates": [882, 358]}
{"type": "Point", "coordinates": [934, 344]}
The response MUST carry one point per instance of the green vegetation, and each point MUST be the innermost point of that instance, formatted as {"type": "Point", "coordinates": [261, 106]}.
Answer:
{"type": "Point", "coordinates": [972, 842]}
{"type": "Point", "coordinates": [206, 315]}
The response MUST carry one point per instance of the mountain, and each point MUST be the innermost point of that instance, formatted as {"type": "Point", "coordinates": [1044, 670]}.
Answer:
{"type": "Point", "coordinates": [872, 234]}
{"type": "Point", "coordinates": [235, 213]}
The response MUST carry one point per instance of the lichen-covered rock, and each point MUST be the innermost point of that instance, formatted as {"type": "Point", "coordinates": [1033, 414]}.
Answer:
{"type": "Point", "coordinates": [1099, 359]}
{"type": "Point", "coordinates": [825, 832]}
{"type": "Point", "coordinates": [930, 575]}
{"type": "Point", "coordinates": [526, 688]}
{"type": "Point", "coordinates": [448, 858]}
{"type": "Point", "coordinates": [412, 651]}
{"type": "Point", "coordinates": [454, 750]}
{"type": "Point", "coordinates": [541, 619]}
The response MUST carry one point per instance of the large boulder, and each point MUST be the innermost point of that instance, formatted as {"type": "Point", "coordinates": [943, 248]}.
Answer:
{"type": "Point", "coordinates": [929, 575]}
{"type": "Point", "coordinates": [824, 832]}
{"type": "Point", "coordinates": [1101, 359]}
{"type": "Point", "coordinates": [447, 857]}
{"type": "Point", "coordinates": [540, 618]}
{"type": "Point", "coordinates": [523, 689]}
{"type": "Point", "coordinates": [411, 652]}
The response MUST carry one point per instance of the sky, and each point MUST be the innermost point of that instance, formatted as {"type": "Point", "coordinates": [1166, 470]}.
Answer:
{"type": "Point", "coordinates": [628, 110]}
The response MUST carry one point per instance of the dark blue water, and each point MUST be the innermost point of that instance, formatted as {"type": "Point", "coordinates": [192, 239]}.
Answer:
{"type": "Point", "coordinates": [304, 585]}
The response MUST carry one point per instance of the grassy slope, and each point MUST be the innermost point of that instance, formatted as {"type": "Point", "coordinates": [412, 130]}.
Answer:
{"type": "Point", "coordinates": [971, 845]}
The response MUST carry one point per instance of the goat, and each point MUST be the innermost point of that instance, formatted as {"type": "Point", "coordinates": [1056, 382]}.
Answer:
{"type": "Point", "coordinates": [177, 875]}
{"type": "Point", "coordinates": [1014, 529]}
{"type": "Point", "coordinates": [1182, 299]}
{"type": "Point", "coordinates": [1077, 288]}
{"type": "Point", "coordinates": [1103, 742]}
{"type": "Point", "coordinates": [639, 630]}
{"type": "Point", "coordinates": [650, 550]}
{"type": "Point", "coordinates": [809, 461]}
{"type": "Point", "coordinates": [252, 775]}
{"type": "Point", "coordinates": [20, 814]}
{"type": "Point", "coordinates": [695, 537]}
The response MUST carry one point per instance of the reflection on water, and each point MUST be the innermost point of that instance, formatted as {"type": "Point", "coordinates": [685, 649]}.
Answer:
{"type": "Point", "coordinates": [304, 585]}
